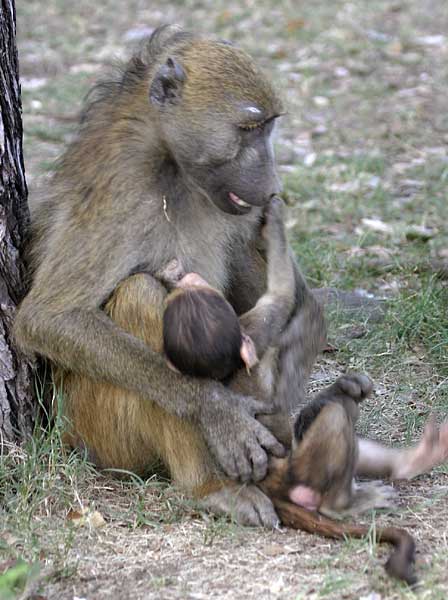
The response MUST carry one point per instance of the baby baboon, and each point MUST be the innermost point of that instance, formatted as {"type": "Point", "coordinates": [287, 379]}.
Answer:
{"type": "Point", "coordinates": [202, 335]}
{"type": "Point", "coordinates": [201, 331]}
{"type": "Point", "coordinates": [325, 448]}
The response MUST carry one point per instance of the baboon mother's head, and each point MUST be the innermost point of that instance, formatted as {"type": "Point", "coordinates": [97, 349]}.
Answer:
{"type": "Point", "coordinates": [217, 113]}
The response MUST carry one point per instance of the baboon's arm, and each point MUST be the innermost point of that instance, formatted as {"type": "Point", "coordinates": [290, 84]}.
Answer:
{"type": "Point", "coordinates": [299, 337]}
{"type": "Point", "coordinates": [68, 330]}
{"type": "Point", "coordinates": [270, 315]}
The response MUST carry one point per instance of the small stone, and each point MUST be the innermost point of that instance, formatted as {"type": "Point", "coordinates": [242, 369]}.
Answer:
{"type": "Point", "coordinates": [419, 232]}
{"type": "Point", "coordinates": [310, 159]}
{"type": "Point", "coordinates": [321, 101]}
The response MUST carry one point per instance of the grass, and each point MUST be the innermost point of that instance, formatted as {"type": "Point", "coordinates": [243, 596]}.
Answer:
{"type": "Point", "coordinates": [42, 485]}
{"type": "Point", "coordinates": [38, 481]}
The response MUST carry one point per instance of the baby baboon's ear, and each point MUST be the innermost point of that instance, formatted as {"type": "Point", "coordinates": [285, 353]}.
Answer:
{"type": "Point", "coordinates": [248, 352]}
{"type": "Point", "coordinates": [167, 85]}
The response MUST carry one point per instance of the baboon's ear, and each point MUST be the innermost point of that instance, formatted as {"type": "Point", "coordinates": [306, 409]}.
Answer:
{"type": "Point", "coordinates": [166, 87]}
{"type": "Point", "coordinates": [248, 352]}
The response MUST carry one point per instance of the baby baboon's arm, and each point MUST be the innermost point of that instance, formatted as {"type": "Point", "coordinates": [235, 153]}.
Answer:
{"type": "Point", "coordinates": [267, 319]}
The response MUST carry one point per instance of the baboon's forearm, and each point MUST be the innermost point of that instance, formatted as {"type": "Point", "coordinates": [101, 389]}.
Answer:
{"type": "Point", "coordinates": [90, 344]}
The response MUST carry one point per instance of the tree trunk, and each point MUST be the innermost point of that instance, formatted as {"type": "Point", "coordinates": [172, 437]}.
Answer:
{"type": "Point", "coordinates": [17, 407]}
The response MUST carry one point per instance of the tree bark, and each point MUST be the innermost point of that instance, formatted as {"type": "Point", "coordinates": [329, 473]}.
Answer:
{"type": "Point", "coordinates": [17, 406]}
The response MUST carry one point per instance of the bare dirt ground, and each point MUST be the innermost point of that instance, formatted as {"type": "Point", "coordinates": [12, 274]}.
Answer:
{"type": "Point", "coordinates": [364, 156]}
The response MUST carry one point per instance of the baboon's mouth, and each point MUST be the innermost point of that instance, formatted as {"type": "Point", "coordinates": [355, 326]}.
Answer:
{"type": "Point", "coordinates": [240, 204]}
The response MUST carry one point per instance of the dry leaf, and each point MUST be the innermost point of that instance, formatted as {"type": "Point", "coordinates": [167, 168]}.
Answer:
{"type": "Point", "coordinates": [310, 159]}
{"type": "Point", "coordinates": [294, 25]}
{"type": "Point", "coordinates": [345, 187]}
{"type": "Point", "coordinates": [273, 550]}
{"type": "Point", "coordinates": [76, 516]}
{"type": "Point", "coordinates": [96, 520]}
{"type": "Point", "coordinates": [431, 40]}
{"type": "Point", "coordinates": [92, 518]}
{"type": "Point", "coordinates": [9, 538]}
{"type": "Point", "coordinates": [321, 101]}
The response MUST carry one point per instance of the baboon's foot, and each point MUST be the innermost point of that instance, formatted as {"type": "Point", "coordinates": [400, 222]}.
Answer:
{"type": "Point", "coordinates": [246, 504]}
{"type": "Point", "coordinates": [431, 451]}
{"type": "Point", "coordinates": [366, 495]}
{"type": "Point", "coordinates": [356, 385]}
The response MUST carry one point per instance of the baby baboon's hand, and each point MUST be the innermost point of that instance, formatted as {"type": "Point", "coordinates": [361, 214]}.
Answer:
{"type": "Point", "coordinates": [171, 273]}
{"type": "Point", "coordinates": [239, 442]}
{"type": "Point", "coordinates": [274, 210]}
{"type": "Point", "coordinates": [273, 216]}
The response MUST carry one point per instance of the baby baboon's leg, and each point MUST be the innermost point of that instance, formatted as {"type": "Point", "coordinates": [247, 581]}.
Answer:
{"type": "Point", "coordinates": [376, 460]}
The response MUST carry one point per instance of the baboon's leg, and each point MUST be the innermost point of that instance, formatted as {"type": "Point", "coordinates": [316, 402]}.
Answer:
{"type": "Point", "coordinates": [324, 459]}
{"type": "Point", "coordinates": [376, 460]}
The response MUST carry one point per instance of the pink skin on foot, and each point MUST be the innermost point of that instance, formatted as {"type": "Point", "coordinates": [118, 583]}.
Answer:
{"type": "Point", "coordinates": [305, 496]}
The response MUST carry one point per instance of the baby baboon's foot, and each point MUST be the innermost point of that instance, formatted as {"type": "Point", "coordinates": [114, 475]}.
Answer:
{"type": "Point", "coordinates": [431, 451]}
{"type": "Point", "coordinates": [246, 504]}
{"type": "Point", "coordinates": [356, 385]}
{"type": "Point", "coordinates": [367, 495]}
{"type": "Point", "coordinates": [373, 494]}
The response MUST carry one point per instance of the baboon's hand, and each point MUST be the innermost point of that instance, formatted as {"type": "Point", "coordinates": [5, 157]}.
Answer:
{"type": "Point", "coordinates": [239, 442]}
{"type": "Point", "coordinates": [273, 227]}
{"type": "Point", "coordinates": [274, 210]}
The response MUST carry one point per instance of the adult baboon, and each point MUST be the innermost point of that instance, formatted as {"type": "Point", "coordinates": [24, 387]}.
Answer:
{"type": "Point", "coordinates": [173, 160]}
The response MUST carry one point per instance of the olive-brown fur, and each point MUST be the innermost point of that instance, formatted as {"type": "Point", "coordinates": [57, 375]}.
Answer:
{"type": "Point", "coordinates": [146, 182]}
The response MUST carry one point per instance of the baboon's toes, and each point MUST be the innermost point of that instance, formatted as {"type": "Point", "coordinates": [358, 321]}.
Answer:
{"type": "Point", "coordinates": [356, 385]}
{"type": "Point", "coordinates": [247, 505]}
{"type": "Point", "coordinates": [435, 441]}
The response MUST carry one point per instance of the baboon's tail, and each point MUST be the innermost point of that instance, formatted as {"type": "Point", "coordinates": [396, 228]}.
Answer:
{"type": "Point", "coordinates": [401, 561]}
